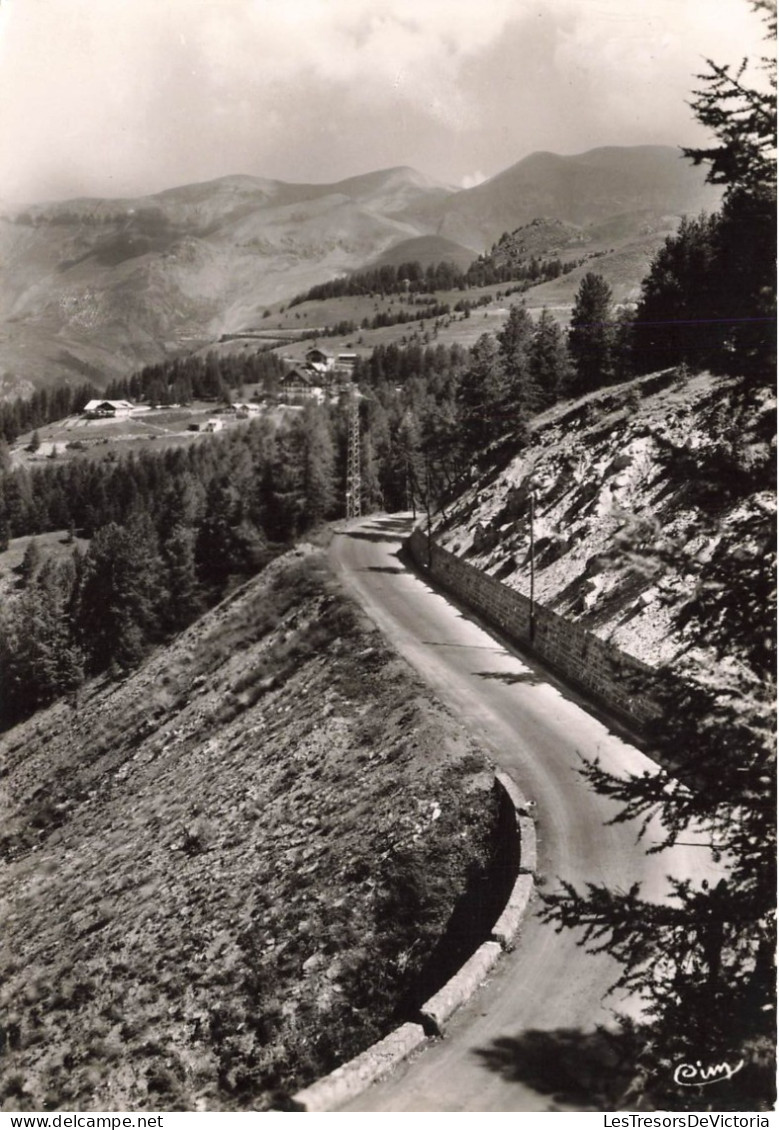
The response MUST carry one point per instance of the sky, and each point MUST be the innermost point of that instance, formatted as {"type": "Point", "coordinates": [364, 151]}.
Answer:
{"type": "Point", "coordinates": [128, 97]}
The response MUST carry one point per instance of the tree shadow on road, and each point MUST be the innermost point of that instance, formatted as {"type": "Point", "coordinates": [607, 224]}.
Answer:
{"type": "Point", "coordinates": [384, 569]}
{"type": "Point", "coordinates": [510, 677]}
{"type": "Point", "coordinates": [370, 535]}
{"type": "Point", "coordinates": [583, 1071]}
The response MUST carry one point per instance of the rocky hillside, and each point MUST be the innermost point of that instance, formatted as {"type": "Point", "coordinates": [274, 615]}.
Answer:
{"type": "Point", "coordinates": [95, 288]}
{"type": "Point", "coordinates": [227, 873]}
{"type": "Point", "coordinates": [628, 481]}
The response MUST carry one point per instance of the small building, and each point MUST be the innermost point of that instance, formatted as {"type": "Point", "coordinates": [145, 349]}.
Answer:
{"type": "Point", "coordinates": [108, 409]}
{"type": "Point", "coordinates": [244, 410]}
{"type": "Point", "coordinates": [320, 360]}
{"type": "Point", "coordinates": [300, 384]}
{"type": "Point", "coordinates": [206, 426]}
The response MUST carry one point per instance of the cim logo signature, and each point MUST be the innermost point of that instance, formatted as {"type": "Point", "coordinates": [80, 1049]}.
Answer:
{"type": "Point", "coordinates": [696, 1075]}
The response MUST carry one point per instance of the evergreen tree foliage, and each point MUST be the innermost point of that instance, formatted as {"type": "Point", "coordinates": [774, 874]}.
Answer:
{"type": "Point", "coordinates": [120, 597]}
{"type": "Point", "coordinates": [30, 562]}
{"type": "Point", "coordinates": [218, 546]}
{"type": "Point", "coordinates": [318, 466]}
{"type": "Point", "coordinates": [680, 316]}
{"type": "Point", "coordinates": [39, 656]}
{"type": "Point", "coordinates": [482, 397]}
{"type": "Point", "coordinates": [524, 396]}
{"type": "Point", "coordinates": [185, 598]}
{"type": "Point", "coordinates": [409, 463]}
{"type": "Point", "coordinates": [710, 297]}
{"type": "Point", "coordinates": [550, 363]}
{"type": "Point", "coordinates": [591, 335]}
{"type": "Point", "coordinates": [703, 961]}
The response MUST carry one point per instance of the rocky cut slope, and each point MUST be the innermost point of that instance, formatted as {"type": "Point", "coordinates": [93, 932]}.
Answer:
{"type": "Point", "coordinates": [632, 484]}
{"type": "Point", "coordinates": [228, 873]}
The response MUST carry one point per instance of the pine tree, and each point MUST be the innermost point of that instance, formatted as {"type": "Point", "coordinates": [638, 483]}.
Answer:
{"type": "Point", "coordinates": [680, 316]}
{"type": "Point", "coordinates": [40, 658]}
{"type": "Point", "coordinates": [408, 460]}
{"type": "Point", "coordinates": [703, 962]}
{"type": "Point", "coordinates": [318, 466]}
{"type": "Point", "coordinates": [591, 335]}
{"type": "Point", "coordinates": [217, 545]}
{"type": "Point", "coordinates": [30, 562]}
{"type": "Point", "coordinates": [118, 603]}
{"type": "Point", "coordinates": [184, 596]}
{"type": "Point", "coordinates": [710, 297]}
{"type": "Point", "coordinates": [524, 396]}
{"type": "Point", "coordinates": [550, 363]}
{"type": "Point", "coordinates": [481, 398]}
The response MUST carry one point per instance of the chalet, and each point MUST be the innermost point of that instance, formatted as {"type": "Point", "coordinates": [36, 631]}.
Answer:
{"type": "Point", "coordinates": [320, 361]}
{"type": "Point", "coordinates": [346, 360]}
{"type": "Point", "coordinates": [108, 409]}
{"type": "Point", "coordinates": [300, 384]}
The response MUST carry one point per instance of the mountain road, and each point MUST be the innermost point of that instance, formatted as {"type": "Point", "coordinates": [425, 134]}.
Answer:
{"type": "Point", "coordinates": [524, 1040]}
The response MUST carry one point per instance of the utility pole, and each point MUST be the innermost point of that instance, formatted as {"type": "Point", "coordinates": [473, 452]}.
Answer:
{"type": "Point", "coordinates": [532, 562]}
{"type": "Point", "coordinates": [353, 461]}
{"type": "Point", "coordinates": [429, 519]}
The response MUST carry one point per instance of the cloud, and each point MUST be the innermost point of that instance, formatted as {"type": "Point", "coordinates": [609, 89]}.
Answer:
{"type": "Point", "coordinates": [129, 96]}
{"type": "Point", "coordinates": [470, 180]}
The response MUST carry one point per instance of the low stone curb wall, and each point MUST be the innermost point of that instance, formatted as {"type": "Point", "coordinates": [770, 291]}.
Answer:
{"type": "Point", "coordinates": [436, 1011]}
{"type": "Point", "coordinates": [512, 790]}
{"type": "Point", "coordinates": [505, 930]}
{"type": "Point", "coordinates": [528, 862]}
{"type": "Point", "coordinates": [351, 1078]}
{"type": "Point", "coordinates": [347, 1081]}
{"type": "Point", "coordinates": [602, 670]}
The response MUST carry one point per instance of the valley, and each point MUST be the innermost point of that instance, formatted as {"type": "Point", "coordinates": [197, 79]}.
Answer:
{"type": "Point", "coordinates": [93, 289]}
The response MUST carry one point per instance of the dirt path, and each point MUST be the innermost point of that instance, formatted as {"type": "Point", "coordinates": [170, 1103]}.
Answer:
{"type": "Point", "coordinates": [548, 989]}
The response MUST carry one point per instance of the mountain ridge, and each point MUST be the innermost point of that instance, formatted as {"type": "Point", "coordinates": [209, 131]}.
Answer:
{"type": "Point", "coordinates": [99, 287]}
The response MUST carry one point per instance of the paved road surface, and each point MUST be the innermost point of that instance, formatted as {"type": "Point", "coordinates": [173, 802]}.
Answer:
{"type": "Point", "coordinates": [536, 731]}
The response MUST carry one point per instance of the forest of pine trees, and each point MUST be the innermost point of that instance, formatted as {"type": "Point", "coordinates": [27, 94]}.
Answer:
{"type": "Point", "coordinates": [169, 531]}
{"type": "Point", "coordinates": [182, 523]}
{"type": "Point", "coordinates": [413, 278]}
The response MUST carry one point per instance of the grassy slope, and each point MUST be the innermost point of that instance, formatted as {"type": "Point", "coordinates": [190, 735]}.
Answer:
{"type": "Point", "coordinates": [224, 873]}
{"type": "Point", "coordinates": [54, 544]}
{"type": "Point", "coordinates": [454, 328]}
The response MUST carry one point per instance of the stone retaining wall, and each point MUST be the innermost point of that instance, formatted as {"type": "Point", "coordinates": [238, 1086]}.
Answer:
{"type": "Point", "coordinates": [600, 669]}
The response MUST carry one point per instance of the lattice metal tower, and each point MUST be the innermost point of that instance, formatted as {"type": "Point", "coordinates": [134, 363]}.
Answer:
{"type": "Point", "coordinates": [353, 473]}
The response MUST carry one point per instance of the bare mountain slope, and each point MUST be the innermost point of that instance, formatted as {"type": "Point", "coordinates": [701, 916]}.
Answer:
{"type": "Point", "coordinates": [647, 184]}
{"type": "Point", "coordinates": [98, 287]}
